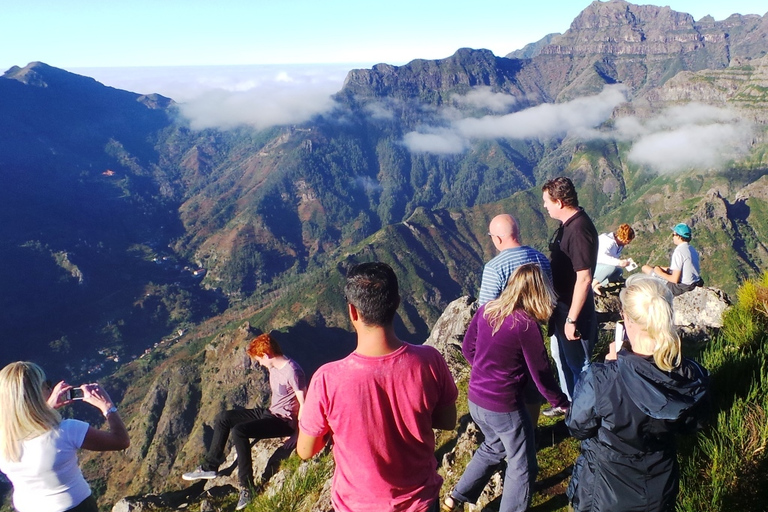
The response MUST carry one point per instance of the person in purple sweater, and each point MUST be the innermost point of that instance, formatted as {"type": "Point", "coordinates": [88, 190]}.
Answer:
{"type": "Point", "coordinates": [504, 345]}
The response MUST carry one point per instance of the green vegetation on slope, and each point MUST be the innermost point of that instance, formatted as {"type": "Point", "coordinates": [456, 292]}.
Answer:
{"type": "Point", "coordinates": [726, 466]}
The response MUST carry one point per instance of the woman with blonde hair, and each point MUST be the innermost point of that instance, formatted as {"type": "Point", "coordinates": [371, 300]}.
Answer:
{"type": "Point", "coordinates": [627, 411]}
{"type": "Point", "coordinates": [38, 450]}
{"type": "Point", "coordinates": [505, 347]}
{"type": "Point", "coordinates": [609, 264]}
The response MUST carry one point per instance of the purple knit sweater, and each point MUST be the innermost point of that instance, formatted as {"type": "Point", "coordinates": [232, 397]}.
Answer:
{"type": "Point", "coordinates": [502, 362]}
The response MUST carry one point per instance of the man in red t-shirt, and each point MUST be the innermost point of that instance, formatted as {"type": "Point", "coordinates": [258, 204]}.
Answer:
{"type": "Point", "coordinates": [380, 403]}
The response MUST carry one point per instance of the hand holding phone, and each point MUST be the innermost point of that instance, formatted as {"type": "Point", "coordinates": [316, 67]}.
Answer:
{"type": "Point", "coordinates": [75, 394]}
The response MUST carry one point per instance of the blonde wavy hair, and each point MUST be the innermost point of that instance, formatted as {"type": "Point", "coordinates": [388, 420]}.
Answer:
{"type": "Point", "coordinates": [648, 302]}
{"type": "Point", "coordinates": [24, 412]}
{"type": "Point", "coordinates": [527, 289]}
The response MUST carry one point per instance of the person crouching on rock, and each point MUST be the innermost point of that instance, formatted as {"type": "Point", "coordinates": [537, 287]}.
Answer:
{"type": "Point", "coordinates": [683, 274]}
{"type": "Point", "coordinates": [288, 385]}
{"type": "Point", "coordinates": [609, 264]}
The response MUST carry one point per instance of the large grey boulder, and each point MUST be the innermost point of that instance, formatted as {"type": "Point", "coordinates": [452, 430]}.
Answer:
{"type": "Point", "coordinates": [448, 334]}
{"type": "Point", "coordinates": [697, 312]}
{"type": "Point", "coordinates": [702, 308]}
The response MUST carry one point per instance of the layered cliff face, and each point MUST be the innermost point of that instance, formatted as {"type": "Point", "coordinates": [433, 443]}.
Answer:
{"type": "Point", "coordinates": [643, 46]}
{"type": "Point", "coordinates": [433, 81]}
{"type": "Point", "coordinates": [743, 85]}
{"type": "Point", "coordinates": [619, 28]}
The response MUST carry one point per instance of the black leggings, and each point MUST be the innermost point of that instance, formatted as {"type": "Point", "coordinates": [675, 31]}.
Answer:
{"type": "Point", "coordinates": [87, 505]}
{"type": "Point", "coordinates": [245, 424]}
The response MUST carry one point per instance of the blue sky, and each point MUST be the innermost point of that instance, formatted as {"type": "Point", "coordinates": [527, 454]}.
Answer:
{"type": "Point", "coordinates": [117, 33]}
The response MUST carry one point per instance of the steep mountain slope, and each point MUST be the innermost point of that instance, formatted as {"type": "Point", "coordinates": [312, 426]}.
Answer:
{"type": "Point", "coordinates": [84, 208]}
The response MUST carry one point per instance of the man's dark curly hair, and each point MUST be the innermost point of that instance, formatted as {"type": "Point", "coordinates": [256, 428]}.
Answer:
{"type": "Point", "coordinates": [562, 189]}
{"type": "Point", "coordinates": [372, 288]}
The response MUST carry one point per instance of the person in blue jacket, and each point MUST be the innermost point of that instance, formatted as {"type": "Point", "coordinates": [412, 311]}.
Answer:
{"type": "Point", "coordinates": [627, 412]}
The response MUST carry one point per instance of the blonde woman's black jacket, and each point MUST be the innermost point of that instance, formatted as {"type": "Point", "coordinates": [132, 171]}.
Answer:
{"type": "Point", "coordinates": [627, 413]}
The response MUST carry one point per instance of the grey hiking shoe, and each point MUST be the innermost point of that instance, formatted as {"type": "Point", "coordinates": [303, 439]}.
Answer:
{"type": "Point", "coordinates": [199, 474]}
{"type": "Point", "coordinates": [245, 499]}
{"type": "Point", "coordinates": [554, 412]}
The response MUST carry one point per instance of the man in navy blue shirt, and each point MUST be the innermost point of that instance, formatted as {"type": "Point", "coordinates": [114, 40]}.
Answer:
{"type": "Point", "coordinates": [573, 257]}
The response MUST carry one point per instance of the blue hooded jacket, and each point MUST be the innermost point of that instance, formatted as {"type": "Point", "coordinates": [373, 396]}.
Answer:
{"type": "Point", "coordinates": [627, 413]}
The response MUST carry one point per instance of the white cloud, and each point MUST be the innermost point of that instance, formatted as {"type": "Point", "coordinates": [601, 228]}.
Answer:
{"type": "Point", "coordinates": [260, 107]}
{"type": "Point", "coordinates": [691, 113]}
{"type": "Point", "coordinates": [684, 137]}
{"type": "Point", "coordinates": [540, 122]}
{"type": "Point", "coordinates": [367, 183]}
{"type": "Point", "coordinates": [484, 97]}
{"type": "Point", "coordinates": [546, 120]}
{"type": "Point", "coordinates": [379, 111]}
{"type": "Point", "coordinates": [440, 141]}
{"type": "Point", "coordinates": [228, 96]}
{"type": "Point", "coordinates": [692, 146]}
{"type": "Point", "coordinates": [680, 137]}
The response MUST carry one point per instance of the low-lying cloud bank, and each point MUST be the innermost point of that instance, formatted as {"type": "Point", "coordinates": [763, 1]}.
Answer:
{"type": "Point", "coordinates": [225, 97]}
{"type": "Point", "coordinates": [261, 108]}
{"type": "Point", "coordinates": [276, 97]}
{"type": "Point", "coordinates": [678, 138]}
{"type": "Point", "coordinates": [541, 122]}
{"type": "Point", "coordinates": [689, 136]}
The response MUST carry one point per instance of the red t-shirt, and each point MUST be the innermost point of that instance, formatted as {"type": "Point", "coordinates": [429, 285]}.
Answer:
{"type": "Point", "coordinates": [379, 410]}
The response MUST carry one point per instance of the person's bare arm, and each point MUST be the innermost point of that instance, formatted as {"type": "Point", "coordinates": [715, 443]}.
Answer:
{"type": "Point", "coordinates": [673, 276]}
{"type": "Point", "coordinates": [116, 438]}
{"type": "Point", "coordinates": [667, 274]}
{"type": "Point", "coordinates": [308, 446]}
{"type": "Point", "coordinates": [444, 418]}
{"type": "Point", "coordinates": [300, 398]}
{"type": "Point", "coordinates": [580, 294]}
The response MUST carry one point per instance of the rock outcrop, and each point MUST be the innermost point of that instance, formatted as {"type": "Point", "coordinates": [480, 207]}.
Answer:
{"type": "Point", "coordinates": [448, 334]}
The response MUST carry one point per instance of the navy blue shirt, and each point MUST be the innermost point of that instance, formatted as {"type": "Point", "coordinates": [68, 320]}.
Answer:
{"type": "Point", "coordinates": [573, 247]}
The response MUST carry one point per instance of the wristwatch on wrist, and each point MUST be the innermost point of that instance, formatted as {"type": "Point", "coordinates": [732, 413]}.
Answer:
{"type": "Point", "coordinates": [110, 411]}
{"type": "Point", "coordinates": [569, 320]}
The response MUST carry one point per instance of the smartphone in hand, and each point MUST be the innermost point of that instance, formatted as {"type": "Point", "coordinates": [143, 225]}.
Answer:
{"type": "Point", "coordinates": [75, 394]}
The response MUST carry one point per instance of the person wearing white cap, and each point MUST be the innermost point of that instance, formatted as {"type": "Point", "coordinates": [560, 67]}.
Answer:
{"type": "Point", "coordinates": [683, 273]}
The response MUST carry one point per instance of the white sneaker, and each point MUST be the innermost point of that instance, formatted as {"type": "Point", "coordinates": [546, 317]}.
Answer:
{"type": "Point", "coordinates": [199, 474]}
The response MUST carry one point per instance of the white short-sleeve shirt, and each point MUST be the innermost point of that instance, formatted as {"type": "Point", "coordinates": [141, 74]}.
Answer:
{"type": "Point", "coordinates": [48, 477]}
{"type": "Point", "coordinates": [686, 259]}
